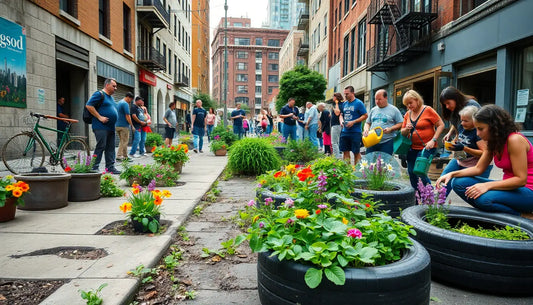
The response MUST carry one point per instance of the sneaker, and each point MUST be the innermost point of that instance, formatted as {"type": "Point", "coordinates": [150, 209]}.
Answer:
{"type": "Point", "coordinates": [131, 156]}
{"type": "Point", "coordinates": [144, 155]}
{"type": "Point", "coordinates": [195, 150]}
{"type": "Point", "coordinates": [114, 171]}
{"type": "Point", "coordinates": [202, 151]}
{"type": "Point", "coordinates": [120, 159]}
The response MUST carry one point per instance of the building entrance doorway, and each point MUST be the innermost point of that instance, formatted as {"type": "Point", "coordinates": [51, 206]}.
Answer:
{"type": "Point", "coordinates": [481, 85]}
{"type": "Point", "coordinates": [71, 83]}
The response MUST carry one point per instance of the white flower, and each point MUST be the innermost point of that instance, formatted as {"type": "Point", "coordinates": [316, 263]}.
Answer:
{"type": "Point", "coordinates": [389, 167]}
{"type": "Point", "coordinates": [364, 164]}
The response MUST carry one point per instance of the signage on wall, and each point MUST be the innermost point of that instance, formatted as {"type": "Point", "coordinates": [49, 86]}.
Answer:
{"type": "Point", "coordinates": [12, 64]}
{"type": "Point", "coordinates": [41, 94]}
{"type": "Point", "coordinates": [147, 78]}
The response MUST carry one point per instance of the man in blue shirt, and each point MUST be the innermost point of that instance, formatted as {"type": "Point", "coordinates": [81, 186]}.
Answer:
{"type": "Point", "coordinates": [137, 114]}
{"type": "Point", "coordinates": [199, 125]}
{"type": "Point", "coordinates": [237, 115]}
{"type": "Point", "coordinates": [123, 125]}
{"type": "Point", "coordinates": [61, 125]}
{"type": "Point", "coordinates": [311, 122]}
{"type": "Point", "coordinates": [353, 113]}
{"type": "Point", "coordinates": [289, 114]}
{"type": "Point", "coordinates": [103, 121]}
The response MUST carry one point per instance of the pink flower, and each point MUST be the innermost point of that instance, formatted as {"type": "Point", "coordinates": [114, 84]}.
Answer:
{"type": "Point", "coordinates": [261, 225]}
{"type": "Point", "coordinates": [290, 221]}
{"type": "Point", "coordinates": [322, 206]}
{"type": "Point", "coordinates": [251, 203]}
{"type": "Point", "coordinates": [289, 203]}
{"type": "Point", "coordinates": [268, 201]}
{"type": "Point", "coordinates": [354, 233]}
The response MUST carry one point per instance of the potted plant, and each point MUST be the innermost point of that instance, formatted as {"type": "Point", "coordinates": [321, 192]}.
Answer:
{"type": "Point", "coordinates": [300, 152]}
{"type": "Point", "coordinates": [11, 193]}
{"type": "Point", "coordinates": [336, 255]}
{"type": "Point", "coordinates": [144, 207]}
{"type": "Point", "coordinates": [143, 174]}
{"type": "Point", "coordinates": [219, 147]}
{"type": "Point", "coordinates": [48, 190]}
{"type": "Point", "coordinates": [84, 184]}
{"type": "Point", "coordinates": [187, 140]}
{"type": "Point", "coordinates": [153, 140]}
{"type": "Point", "coordinates": [175, 155]}
{"type": "Point", "coordinates": [377, 180]}
{"type": "Point", "coordinates": [278, 141]}
{"type": "Point", "coordinates": [499, 260]}
{"type": "Point", "coordinates": [109, 187]}
{"type": "Point", "coordinates": [225, 134]}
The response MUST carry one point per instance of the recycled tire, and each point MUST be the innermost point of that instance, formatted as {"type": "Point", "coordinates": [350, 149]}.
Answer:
{"type": "Point", "coordinates": [489, 265]}
{"type": "Point", "coordinates": [405, 282]}
{"type": "Point", "coordinates": [401, 197]}
{"type": "Point", "coordinates": [262, 193]}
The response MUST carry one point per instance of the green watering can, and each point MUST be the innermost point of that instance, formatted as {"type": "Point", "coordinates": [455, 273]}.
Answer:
{"type": "Point", "coordinates": [422, 164]}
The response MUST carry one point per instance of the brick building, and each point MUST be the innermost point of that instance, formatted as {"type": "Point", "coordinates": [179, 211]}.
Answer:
{"type": "Point", "coordinates": [253, 62]}
{"type": "Point", "coordinates": [200, 45]}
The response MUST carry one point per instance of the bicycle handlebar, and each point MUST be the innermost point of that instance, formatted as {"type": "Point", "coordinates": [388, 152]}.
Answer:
{"type": "Point", "coordinates": [44, 116]}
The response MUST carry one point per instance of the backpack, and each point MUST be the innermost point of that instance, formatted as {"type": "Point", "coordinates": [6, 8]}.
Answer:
{"type": "Point", "coordinates": [87, 116]}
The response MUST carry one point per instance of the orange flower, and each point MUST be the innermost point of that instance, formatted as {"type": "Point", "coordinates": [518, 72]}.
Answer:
{"type": "Point", "coordinates": [172, 147]}
{"type": "Point", "coordinates": [367, 205]}
{"type": "Point", "coordinates": [301, 213]}
{"type": "Point", "coordinates": [126, 206]}
{"type": "Point", "coordinates": [153, 149]}
{"type": "Point", "coordinates": [305, 173]}
{"type": "Point", "coordinates": [10, 187]}
{"type": "Point", "coordinates": [17, 192]}
{"type": "Point", "coordinates": [23, 185]}
{"type": "Point", "coordinates": [135, 190]}
{"type": "Point", "coordinates": [344, 221]}
{"type": "Point", "coordinates": [158, 200]}
{"type": "Point", "coordinates": [279, 174]}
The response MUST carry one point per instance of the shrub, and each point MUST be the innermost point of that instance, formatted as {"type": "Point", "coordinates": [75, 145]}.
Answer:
{"type": "Point", "coordinates": [253, 156]}
{"type": "Point", "coordinates": [109, 187]}
{"type": "Point", "coordinates": [300, 152]}
{"type": "Point", "coordinates": [224, 134]}
{"type": "Point", "coordinates": [153, 139]}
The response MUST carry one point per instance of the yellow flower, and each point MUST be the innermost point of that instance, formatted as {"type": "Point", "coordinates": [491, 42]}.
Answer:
{"type": "Point", "coordinates": [135, 191]}
{"type": "Point", "coordinates": [10, 187]}
{"type": "Point", "coordinates": [344, 221]}
{"type": "Point", "coordinates": [126, 206]}
{"type": "Point", "coordinates": [263, 181]}
{"type": "Point", "coordinates": [301, 213]}
{"type": "Point", "coordinates": [255, 218]}
{"type": "Point", "coordinates": [156, 193]}
{"type": "Point", "coordinates": [166, 194]}
{"type": "Point", "coordinates": [291, 168]}
{"type": "Point", "coordinates": [9, 177]}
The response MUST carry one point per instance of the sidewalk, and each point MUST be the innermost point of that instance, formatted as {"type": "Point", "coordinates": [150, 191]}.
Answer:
{"type": "Point", "coordinates": [76, 224]}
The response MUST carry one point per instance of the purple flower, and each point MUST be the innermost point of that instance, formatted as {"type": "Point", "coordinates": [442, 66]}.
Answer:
{"type": "Point", "coordinates": [322, 206]}
{"type": "Point", "coordinates": [268, 200]}
{"type": "Point", "coordinates": [251, 203]}
{"type": "Point", "coordinates": [354, 233]}
{"type": "Point", "coordinates": [289, 203]}
{"type": "Point", "coordinates": [261, 225]}
{"type": "Point", "coordinates": [290, 221]}
{"type": "Point", "coordinates": [442, 196]}
{"type": "Point", "coordinates": [259, 185]}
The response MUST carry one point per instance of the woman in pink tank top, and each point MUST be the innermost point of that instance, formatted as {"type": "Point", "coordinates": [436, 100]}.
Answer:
{"type": "Point", "coordinates": [512, 152]}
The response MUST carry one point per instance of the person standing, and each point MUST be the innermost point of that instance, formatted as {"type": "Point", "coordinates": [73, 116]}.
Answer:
{"type": "Point", "coordinates": [245, 126]}
{"type": "Point", "coordinates": [145, 129]}
{"type": "Point", "coordinates": [237, 115]}
{"type": "Point", "coordinates": [171, 123]}
{"type": "Point", "coordinates": [123, 125]}
{"type": "Point", "coordinates": [103, 122]}
{"type": "Point", "coordinates": [289, 114]}
{"type": "Point", "coordinates": [301, 124]}
{"type": "Point", "coordinates": [199, 118]}
{"type": "Point", "coordinates": [311, 122]}
{"type": "Point", "coordinates": [353, 113]}
{"type": "Point", "coordinates": [61, 125]}
{"type": "Point", "coordinates": [137, 114]}
{"type": "Point", "coordinates": [386, 116]}
{"type": "Point", "coordinates": [187, 121]}
{"type": "Point", "coordinates": [336, 127]}
{"type": "Point", "coordinates": [324, 127]}
{"type": "Point", "coordinates": [211, 121]}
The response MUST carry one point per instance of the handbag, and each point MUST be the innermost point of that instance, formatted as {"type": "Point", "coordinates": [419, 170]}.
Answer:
{"type": "Point", "coordinates": [402, 144]}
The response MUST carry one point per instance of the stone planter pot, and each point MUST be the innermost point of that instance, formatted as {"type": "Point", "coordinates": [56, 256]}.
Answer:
{"type": "Point", "coordinates": [404, 282]}
{"type": "Point", "coordinates": [138, 226]}
{"type": "Point", "coordinates": [47, 191]}
{"type": "Point", "coordinates": [7, 212]}
{"type": "Point", "coordinates": [399, 198]}
{"type": "Point", "coordinates": [84, 186]}
{"type": "Point", "coordinates": [221, 152]}
{"type": "Point", "coordinates": [494, 266]}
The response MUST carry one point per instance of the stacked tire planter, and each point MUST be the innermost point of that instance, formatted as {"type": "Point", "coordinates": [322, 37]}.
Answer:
{"type": "Point", "coordinates": [489, 265]}
{"type": "Point", "coordinates": [405, 282]}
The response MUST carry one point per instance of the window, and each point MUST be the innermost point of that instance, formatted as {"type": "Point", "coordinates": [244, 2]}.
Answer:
{"type": "Point", "coordinates": [165, 53]}
{"type": "Point", "coordinates": [259, 41]}
{"type": "Point", "coordinates": [318, 35]}
{"type": "Point", "coordinates": [242, 54]}
{"type": "Point", "coordinates": [242, 41]}
{"type": "Point", "coordinates": [273, 78]}
{"type": "Point", "coordinates": [179, 31]}
{"type": "Point", "coordinates": [242, 77]}
{"type": "Point", "coordinates": [169, 58]}
{"type": "Point", "coordinates": [258, 89]}
{"type": "Point", "coordinates": [352, 50]}
{"type": "Point", "coordinates": [335, 19]}
{"type": "Point", "coordinates": [126, 19]}
{"type": "Point", "coordinates": [466, 5]}
{"type": "Point", "coordinates": [325, 25]}
{"type": "Point", "coordinates": [524, 93]}
{"type": "Point", "coordinates": [346, 52]}
{"type": "Point", "coordinates": [242, 66]}
{"type": "Point", "coordinates": [258, 66]}
{"type": "Point", "coordinates": [237, 24]}
{"type": "Point", "coordinates": [258, 77]}
{"type": "Point", "coordinates": [361, 43]}
{"type": "Point", "coordinates": [271, 88]}
{"type": "Point", "coordinates": [241, 100]}
{"type": "Point", "coordinates": [259, 54]}
{"type": "Point", "coordinates": [272, 67]}
{"type": "Point", "coordinates": [70, 7]}
{"type": "Point", "coordinates": [175, 25]}
{"type": "Point", "coordinates": [258, 101]}
{"type": "Point", "coordinates": [273, 55]}
{"type": "Point", "coordinates": [273, 42]}
{"type": "Point", "coordinates": [346, 6]}
{"type": "Point", "coordinates": [158, 44]}
{"type": "Point", "coordinates": [103, 17]}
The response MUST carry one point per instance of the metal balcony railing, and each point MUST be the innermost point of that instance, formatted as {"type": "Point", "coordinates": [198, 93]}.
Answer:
{"type": "Point", "coordinates": [303, 18]}
{"type": "Point", "coordinates": [181, 80]}
{"type": "Point", "coordinates": [151, 58]}
{"type": "Point", "coordinates": [153, 12]}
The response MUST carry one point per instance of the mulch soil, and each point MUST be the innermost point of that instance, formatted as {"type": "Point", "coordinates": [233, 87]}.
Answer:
{"type": "Point", "coordinates": [21, 292]}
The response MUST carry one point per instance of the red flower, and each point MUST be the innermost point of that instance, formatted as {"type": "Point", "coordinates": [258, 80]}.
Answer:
{"type": "Point", "coordinates": [305, 173]}
{"type": "Point", "coordinates": [367, 205]}
{"type": "Point", "coordinates": [68, 169]}
{"type": "Point", "coordinates": [318, 212]}
{"type": "Point", "coordinates": [279, 174]}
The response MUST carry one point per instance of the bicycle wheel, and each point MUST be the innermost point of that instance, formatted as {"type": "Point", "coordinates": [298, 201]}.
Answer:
{"type": "Point", "coordinates": [22, 153]}
{"type": "Point", "coordinates": [74, 151]}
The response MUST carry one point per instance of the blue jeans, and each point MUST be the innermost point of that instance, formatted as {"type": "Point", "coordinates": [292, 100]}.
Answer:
{"type": "Point", "coordinates": [411, 159]}
{"type": "Point", "coordinates": [198, 138]}
{"type": "Point", "coordinates": [142, 143]}
{"type": "Point", "coordinates": [105, 143]}
{"type": "Point", "coordinates": [312, 134]}
{"type": "Point", "coordinates": [300, 133]}
{"type": "Point", "coordinates": [135, 142]}
{"type": "Point", "coordinates": [289, 130]}
{"type": "Point", "coordinates": [454, 166]}
{"type": "Point", "coordinates": [209, 131]}
{"type": "Point", "coordinates": [386, 147]}
{"type": "Point", "coordinates": [514, 202]}
{"type": "Point", "coordinates": [269, 128]}
{"type": "Point", "coordinates": [238, 130]}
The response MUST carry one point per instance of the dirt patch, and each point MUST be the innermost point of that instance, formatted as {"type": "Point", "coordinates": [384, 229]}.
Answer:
{"type": "Point", "coordinates": [124, 227]}
{"type": "Point", "coordinates": [26, 292]}
{"type": "Point", "coordinates": [88, 253]}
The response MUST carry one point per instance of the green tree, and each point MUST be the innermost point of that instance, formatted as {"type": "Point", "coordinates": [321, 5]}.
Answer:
{"type": "Point", "coordinates": [207, 101]}
{"type": "Point", "coordinates": [303, 85]}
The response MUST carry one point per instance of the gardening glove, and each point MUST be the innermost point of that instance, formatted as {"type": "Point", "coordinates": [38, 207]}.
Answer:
{"type": "Point", "coordinates": [457, 147]}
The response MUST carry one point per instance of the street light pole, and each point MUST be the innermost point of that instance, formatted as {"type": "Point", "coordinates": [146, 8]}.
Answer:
{"type": "Point", "coordinates": [225, 63]}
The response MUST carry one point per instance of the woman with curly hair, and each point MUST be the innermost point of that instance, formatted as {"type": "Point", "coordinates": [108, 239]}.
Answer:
{"type": "Point", "coordinates": [453, 101]}
{"type": "Point", "coordinates": [512, 152]}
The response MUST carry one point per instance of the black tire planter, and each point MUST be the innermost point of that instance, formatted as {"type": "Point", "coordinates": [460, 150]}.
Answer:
{"type": "Point", "coordinates": [405, 282]}
{"type": "Point", "coordinates": [84, 186]}
{"type": "Point", "coordinates": [489, 265]}
{"type": "Point", "coordinates": [394, 201]}
{"type": "Point", "coordinates": [262, 194]}
{"type": "Point", "coordinates": [47, 191]}
{"type": "Point", "coordinates": [280, 150]}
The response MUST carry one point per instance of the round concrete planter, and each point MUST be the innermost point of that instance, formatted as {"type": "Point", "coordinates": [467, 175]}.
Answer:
{"type": "Point", "coordinates": [47, 191]}
{"type": "Point", "coordinates": [84, 186]}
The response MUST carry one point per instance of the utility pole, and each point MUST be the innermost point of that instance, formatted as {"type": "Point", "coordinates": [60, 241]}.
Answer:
{"type": "Point", "coordinates": [225, 63]}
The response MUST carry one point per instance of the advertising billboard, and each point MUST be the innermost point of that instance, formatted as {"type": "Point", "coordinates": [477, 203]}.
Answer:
{"type": "Point", "coordinates": [12, 64]}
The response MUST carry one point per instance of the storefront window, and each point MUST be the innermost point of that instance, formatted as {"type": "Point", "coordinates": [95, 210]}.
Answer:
{"type": "Point", "coordinates": [524, 94]}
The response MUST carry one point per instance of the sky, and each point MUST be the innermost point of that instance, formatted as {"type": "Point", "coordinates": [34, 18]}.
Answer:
{"type": "Point", "coordinates": [253, 9]}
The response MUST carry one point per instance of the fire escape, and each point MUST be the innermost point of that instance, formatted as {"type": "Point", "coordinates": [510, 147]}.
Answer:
{"type": "Point", "coordinates": [402, 31]}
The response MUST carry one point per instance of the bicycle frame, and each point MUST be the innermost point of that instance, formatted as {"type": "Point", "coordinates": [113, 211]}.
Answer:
{"type": "Point", "coordinates": [37, 132]}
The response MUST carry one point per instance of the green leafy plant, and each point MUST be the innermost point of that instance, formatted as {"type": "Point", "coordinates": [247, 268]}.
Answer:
{"type": "Point", "coordinates": [182, 232]}
{"type": "Point", "coordinates": [377, 174]}
{"type": "Point", "coordinates": [93, 296]}
{"type": "Point", "coordinates": [81, 164]}
{"type": "Point", "coordinates": [109, 187]}
{"type": "Point", "coordinates": [190, 294]}
{"type": "Point", "coordinates": [198, 210]}
{"type": "Point", "coordinates": [300, 151]}
{"type": "Point", "coordinates": [9, 188]}
{"type": "Point", "coordinates": [224, 134]}
{"type": "Point", "coordinates": [153, 140]}
{"type": "Point", "coordinates": [276, 139]}
{"type": "Point", "coordinates": [172, 260]}
{"type": "Point", "coordinates": [218, 144]}
{"type": "Point", "coordinates": [143, 273]}
{"type": "Point", "coordinates": [163, 174]}
{"type": "Point", "coordinates": [171, 155]}
{"type": "Point", "coordinates": [253, 156]}
{"type": "Point", "coordinates": [230, 245]}
{"type": "Point", "coordinates": [437, 213]}
{"type": "Point", "coordinates": [506, 233]}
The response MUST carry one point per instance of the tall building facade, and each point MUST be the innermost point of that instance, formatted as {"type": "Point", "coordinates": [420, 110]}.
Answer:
{"type": "Point", "coordinates": [318, 36]}
{"type": "Point", "coordinates": [283, 14]}
{"type": "Point", "coordinates": [200, 46]}
{"type": "Point", "coordinates": [253, 63]}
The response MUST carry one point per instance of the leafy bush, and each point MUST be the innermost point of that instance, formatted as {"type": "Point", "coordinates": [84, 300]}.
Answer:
{"type": "Point", "coordinates": [225, 134]}
{"type": "Point", "coordinates": [300, 152]}
{"type": "Point", "coordinates": [218, 144]}
{"type": "Point", "coordinates": [109, 187]}
{"type": "Point", "coordinates": [163, 174]}
{"type": "Point", "coordinates": [153, 139]}
{"type": "Point", "coordinates": [253, 156]}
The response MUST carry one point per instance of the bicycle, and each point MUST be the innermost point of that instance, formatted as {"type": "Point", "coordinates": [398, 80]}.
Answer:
{"type": "Point", "coordinates": [25, 151]}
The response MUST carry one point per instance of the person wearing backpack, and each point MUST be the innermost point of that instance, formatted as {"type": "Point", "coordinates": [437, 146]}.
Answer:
{"type": "Point", "coordinates": [104, 116]}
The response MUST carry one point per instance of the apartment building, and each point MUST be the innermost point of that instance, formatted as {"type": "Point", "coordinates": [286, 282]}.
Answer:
{"type": "Point", "coordinates": [282, 14]}
{"type": "Point", "coordinates": [200, 46]}
{"type": "Point", "coordinates": [288, 55]}
{"type": "Point", "coordinates": [318, 36]}
{"type": "Point", "coordinates": [253, 62]}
